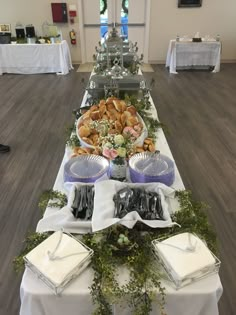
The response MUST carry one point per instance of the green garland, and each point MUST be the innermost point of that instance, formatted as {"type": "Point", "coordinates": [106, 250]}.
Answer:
{"type": "Point", "coordinates": [144, 285]}
{"type": "Point", "coordinates": [71, 137]}
{"type": "Point", "coordinates": [143, 107]}
{"type": "Point", "coordinates": [52, 198]}
{"type": "Point", "coordinates": [137, 258]}
{"type": "Point", "coordinates": [118, 246]}
{"type": "Point", "coordinates": [32, 240]}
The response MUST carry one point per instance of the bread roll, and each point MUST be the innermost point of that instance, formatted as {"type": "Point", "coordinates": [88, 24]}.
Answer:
{"type": "Point", "coordinates": [87, 140]}
{"type": "Point", "coordinates": [123, 105]}
{"type": "Point", "coordinates": [118, 105]}
{"type": "Point", "coordinates": [132, 110]}
{"type": "Point", "coordinates": [110, 107]}
{"type": "Point", "coordinates": [93, 108]}
{"type": "Point", "coordinates": [131, 121]}
{"type": "Point", "coordinates": [95, 115]}
{"type": "Point", "coordinates": [118, 126]}
{"type": "Point", "coordinates": [102, 109]}
{"type": "Point", "coordinates": [84, 131]}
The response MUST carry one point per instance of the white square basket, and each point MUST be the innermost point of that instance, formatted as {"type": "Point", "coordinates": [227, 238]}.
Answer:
{"type": "Point", "coordinates": [58, 259]}
{"type": "Point", "coordinates": [198, 274]}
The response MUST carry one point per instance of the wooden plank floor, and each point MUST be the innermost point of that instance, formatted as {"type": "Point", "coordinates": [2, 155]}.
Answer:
{"type": "Point", "coordinates": [198, 107]}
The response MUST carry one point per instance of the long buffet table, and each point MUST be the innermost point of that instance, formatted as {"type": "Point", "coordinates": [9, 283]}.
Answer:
{"type": "Point", "coordinates": [187, 54]}
{"type": "Point", "coordinates": [35, 58]}
{"type": "Point", "coordinates": [200, 298]}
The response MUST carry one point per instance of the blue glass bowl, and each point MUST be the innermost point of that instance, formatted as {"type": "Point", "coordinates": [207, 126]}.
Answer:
{"type": "Point", "coordinates": [147, 167]}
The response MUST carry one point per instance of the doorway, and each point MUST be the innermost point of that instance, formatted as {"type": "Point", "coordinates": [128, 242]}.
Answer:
{"type": "Point", "coordinates": [97, 17]}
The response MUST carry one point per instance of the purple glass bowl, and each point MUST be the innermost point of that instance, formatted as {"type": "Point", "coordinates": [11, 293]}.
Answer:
{"type": "Point", "coordinates": [85, 168]}
{"type": "Point", "coordinates": [149, 167]}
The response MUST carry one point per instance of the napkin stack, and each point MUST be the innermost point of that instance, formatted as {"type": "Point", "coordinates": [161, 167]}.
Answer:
{"type": "Point", "coordinates": [57, 259]}
{"type": "Point", "coordinates": [185, 256]}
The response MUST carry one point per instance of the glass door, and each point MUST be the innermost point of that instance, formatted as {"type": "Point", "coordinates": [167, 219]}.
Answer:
{"type": "Point", "coordinates": [128, 16]}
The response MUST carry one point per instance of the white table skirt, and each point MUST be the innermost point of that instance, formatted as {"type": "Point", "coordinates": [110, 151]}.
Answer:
{"type": "Point", "coordinates": [200, 298]}
{"type": "Point", "coordinates": [191, 54]}
{"type": "Point", "coordinates": [35, 58]}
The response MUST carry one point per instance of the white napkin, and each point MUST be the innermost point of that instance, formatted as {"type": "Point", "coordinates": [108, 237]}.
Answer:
{"type": "Point", "coordinates": [65, 219]}
{"type": "Point", "coordinates": [104, 208]}
{"type": "Point", "coordinates": [182, 262]}
{"type": "Point", "coordinates": [57, 270]}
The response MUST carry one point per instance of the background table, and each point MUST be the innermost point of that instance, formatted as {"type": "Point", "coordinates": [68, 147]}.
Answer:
{"type": "Point", "coordinates": [200, 298]}
{"type": "Point", "coordinates": [35, 58]}
{"type": "Point", "coordinates": [187, 54]}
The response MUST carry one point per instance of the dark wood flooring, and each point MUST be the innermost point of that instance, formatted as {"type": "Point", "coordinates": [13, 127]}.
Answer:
{"type": "Point", "coordinates": [198, 107]}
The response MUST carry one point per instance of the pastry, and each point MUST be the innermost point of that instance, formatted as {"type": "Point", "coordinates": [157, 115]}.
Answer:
{"type": "Point", "coordinates": [132, 110]}
{"type": "Point", "coordinates": [95, 115]}
{"type": "Point", "coordinates": [84, 131]}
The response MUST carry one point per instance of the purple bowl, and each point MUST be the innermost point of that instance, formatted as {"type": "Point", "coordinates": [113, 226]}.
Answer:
{"type": "Point", "coordinates": [149, 167]}
{"type": "Point", "coordinates": [85, 168]}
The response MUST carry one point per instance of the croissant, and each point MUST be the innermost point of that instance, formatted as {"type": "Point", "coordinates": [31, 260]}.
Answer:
{"type": "Point", "coordinates": [93, 108]}
{"type": "Point", "coordinates": [118, 105]}
{"type": "Point", "coordinates": [94, 138]}
{"type": "Point", "coordinates": [87, 140]}
{"type": "Point", "coordinates": [86, 121]}
{"type": "Point", "coordinates": [102, 109]}
{"type": "Point", "coordinates": [124, 106]}
{"type": "Point", "coordinates": [131, 121]}
{"type": "Point", "coordinates": [118, 126]}
{"type": "Point", "coordinates": [95, 115]}
{"type": "Point", "coordinates": [151, 147]}
{"type": "Point", "coordinates": [132, 110]}
{"type": "Point", "coordinates": [86, 114]}
{"type": "Point", "coordinates": [110, 99]}
{"type": "Point", "coordinates": [105, 117]}
{"type": "Point", "coordinates": [139, 149]}
{"type": "Point", "coordinates": [123, 119]}
{"type": "Point", "coordinates": [110, 106]}
{"type": "Point", "coordinates": [102, 102]}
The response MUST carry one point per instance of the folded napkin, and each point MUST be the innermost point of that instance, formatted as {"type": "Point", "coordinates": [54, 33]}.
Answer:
{"type": "Point", "coordinates": [65, 219]}
{"type": "Point", "coordinates": [185, 255]}
{"type": "Point", "coordinates": [57, 256]}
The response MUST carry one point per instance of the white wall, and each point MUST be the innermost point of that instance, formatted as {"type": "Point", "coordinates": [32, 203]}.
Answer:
{"type": "Point", "coordinates": [214, 17]}
{"type": "Point", "coordinates": [36, 12]}
{"type": "Point", "coordinates": [166, 20]}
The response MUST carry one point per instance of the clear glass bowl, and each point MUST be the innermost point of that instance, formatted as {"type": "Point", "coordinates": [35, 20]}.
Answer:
{"type": "Point", "coordinates": [85, 168]}
{"type": "Point", "coordinates": [149, 167]}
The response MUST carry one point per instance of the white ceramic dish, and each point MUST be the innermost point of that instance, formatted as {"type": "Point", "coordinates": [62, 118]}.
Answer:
{"type": "Point", "coordinates": [139, 141]}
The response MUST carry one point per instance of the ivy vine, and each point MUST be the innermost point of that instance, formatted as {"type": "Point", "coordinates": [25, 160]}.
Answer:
{"type": "Point", "coordinates": [52, 198]}
{"type": "Point", "coordinates": [32, 240]}
{"type": "Point", "coordinates": [143, 107]}
{"type": "Point", "coordinates": [144, 284]}
{"type": "Point", "coordinates": [134, 254]}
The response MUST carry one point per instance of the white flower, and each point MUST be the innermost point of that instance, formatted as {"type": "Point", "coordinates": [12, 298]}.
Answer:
{"type": "Point", "coordinates": [119, 139]}
{"type": "Point", "coordinates": [121, 152]}
{"type": "Point", "coordinates": [107, 145]}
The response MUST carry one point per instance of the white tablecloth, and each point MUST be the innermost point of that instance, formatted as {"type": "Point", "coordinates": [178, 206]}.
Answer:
{"type": "Point", "coordinates": [35, 58]}
{"type": "Point", "coordinates": [200, 298]}
{"type": "Point", "coordinates": [185, 54]}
